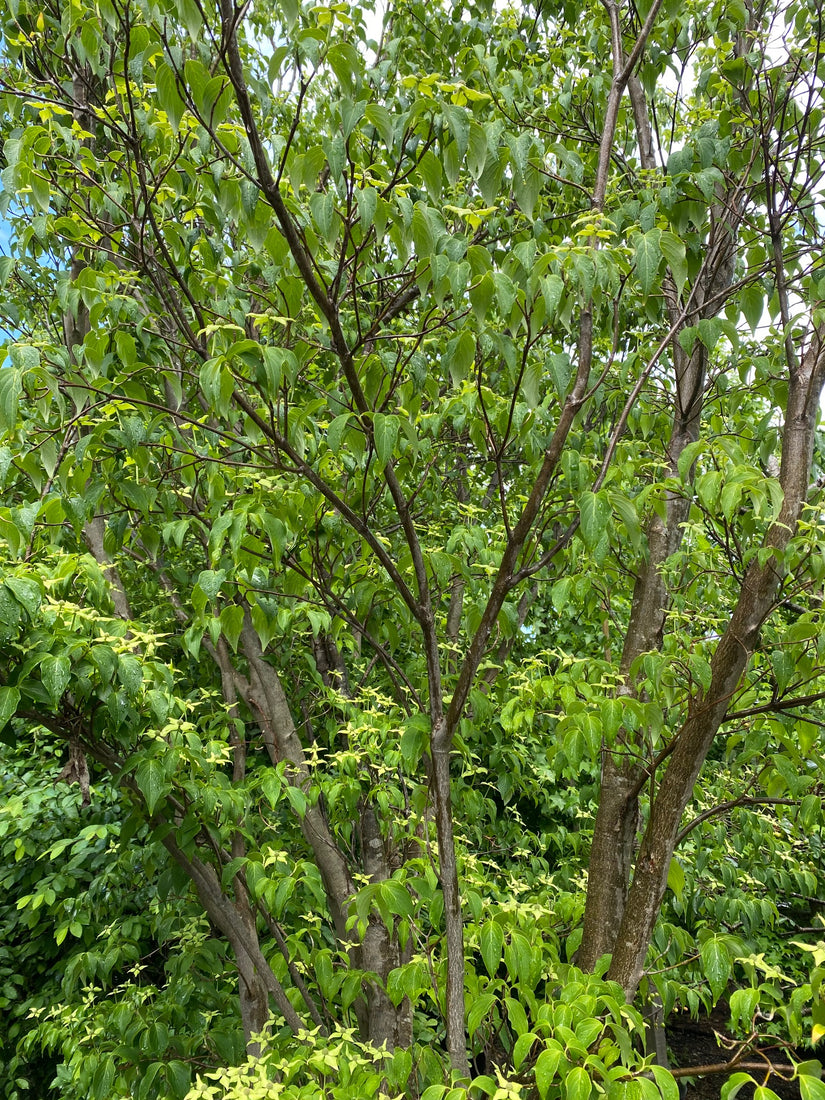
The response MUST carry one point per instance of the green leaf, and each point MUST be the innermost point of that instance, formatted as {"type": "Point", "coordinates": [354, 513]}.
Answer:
{"type": "Point", "coordinates": [209, 581]}
{"type": "Point", "coordinates": [105, 660]}
{"type": "Point", "coordinates": [688, 456]}
{"type": "Point", "coordinates": [612, 713]}
{"type": "Point", "coordinates": [7, 264]}
{"type": "Point", "coordinates": [168, 95]}
{"type": "Point", "coordinates": [130, 673]}
{"type": "Point", "coordinates": [432, 174]}
{"type": "Point", "coordinates": [673, 249]}
{"type": "Point", "coordinates": [531, 383]}
{"type": "Point", "coordinates": [482, 296]}
{"type": "Point", "coordinates": [27, 593]}
{"type": "Point", "coordinates": [397, 898]}
{"type": "Point", "coordinates": [9, 698]}
{"type": "Point", "coordinates": [560, 593]}
{"type": "Point", "coordinates": [676, 877]}
{"type": "Point", "coordinates": [743, 1005]}
{"type": "Point", "coordinates": [150, 777]}
{"type": "Point", "coordinates": [595, 511]}
{"type": "Point", "coordinates": [552, 289]}
{"type": "Point", "coordinates": [522, 1047]}
{"type": "Point", "coordinates": [346, 63]}
{"type": "Point", "coordinates": [716, 965]}
{"type": "Point", "coordinates": [546, 1067]}
{"type": "Point", "coordinates": [577, 1084]}
{"type": "Point", "coordinates": [385, 433]}
{"type": "Point", "coordinates": [647, 257]}
{"type": "Point", "coordinates": [11, 387]}
{"type": "Point", "coordinates": [367, 201]}
{"type": "Point", "coordinates": [811, 1088]}
{"type": "Point", "coordinates": [492, 944]}
{"type": "Point", "coordinates": [179, 1078]}
{"type": "Point", "coordinates": [707, 181]}
{"type": "Point", "coordinates": [700, 670]}
{"type": "Point", "coordinates": [378, 116]}
{"type": "Point", "coordinates": [478, 1010]}
{"type": "Point", "coordinates": [336, 430]}
{"type": "Point", "coordinates": [516, 1015]}
{"type": "Point", "coordinates": [271, 786]}
{"type": "Point", "coordinates": [559, 364]}
{"type": "Point", "coordinates": [421, 232]}
{"type": "Point", "coordinates": [41, 191]}
{"type": "Point", "coordinates": [232, 618]}
{"type": "Point", "coordinates": [476, 150]}
{"type": "Point", "coordinates": [434, 1092]}
{"type": "Point", "coordinates": [666, 1082]}
{"type": "Point", "coordinates": [752, 300]}
{"type": "Point", "coordinates": [733, 1085]}
{"type": "Point", "coordinates": [231, 869]}
{"type": "Point", "coordinates": [414, 739]}
{"type": "Point", "coordinates": [460, 355]}
{"type": "Point", "coordinates": [625, 509]}
{"type": "Point", "coordinates": [297, 800]}
{"type": "Point", "coordinates": [55, 672]}
{"type": "Point", "coordinates": [218, 384]}
{"type": "Point", "coordinates": [322, 205]}
{"type": "Point", "coordinates": [270, 375]}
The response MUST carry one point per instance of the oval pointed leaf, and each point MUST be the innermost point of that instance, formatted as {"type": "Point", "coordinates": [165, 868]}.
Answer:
{"type": "Point", "coordinates": [335, 432]}
{"type": "Point", "coordinates": [716, 965]}
{"type": "Point", "coordinates": [492, 944]}
{"type": "Point", "coordinates": [168, 95]}
{"type": "Point", "coordinates": [666, 1082]}
{"type": "Point", "coordinates": [753, 305]}
{"type": "Point", "coordinates": [55, 673]}
{"type": "Point", "coordinates": [479, 1009]}
{"type": "Point", "coordinates": [577, 1084]}
{"type": "Point", "coordinates": [595, 511]}
{"type": "Point", "coordinates": [151, 781]}
{"type": "Point", "coordinates": [648, 255]}
{"type": "Point", "coordinates": [26, 592]}
{"type": "Point", "coordinates": [9, 698]}
{"type": "Point", "coordinates": [673, 249]}
{"type": "Point", "coordinates": [734, 1083]}
{"type": "Point", "coordinates": [546, 1066]}
{"type": "Point", "coordinates": [385, 429]}
{"type": "Point", "coordinates": [811, 1087]}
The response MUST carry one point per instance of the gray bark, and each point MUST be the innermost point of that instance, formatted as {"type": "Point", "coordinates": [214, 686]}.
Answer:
{"type": "Point", "coordinates": [708, 709]}
{"type": "Point", "coordinates": [622, 777]}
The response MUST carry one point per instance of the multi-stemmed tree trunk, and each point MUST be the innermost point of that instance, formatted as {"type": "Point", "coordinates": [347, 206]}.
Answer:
{"type": "Point", "coordinates": [630, 858]}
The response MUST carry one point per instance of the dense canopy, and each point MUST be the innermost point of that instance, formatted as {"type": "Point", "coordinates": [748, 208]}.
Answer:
{"type": "Point", "coordinates": [411, 544]}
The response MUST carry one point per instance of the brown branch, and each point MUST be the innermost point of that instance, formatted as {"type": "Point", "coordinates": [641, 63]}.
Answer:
{"type": "Point", "coordinates": [731, 1067]}
{"type": "Point", "coordinates": [723, 807]}
{"type": "Point", "coordinates": [776, 706]}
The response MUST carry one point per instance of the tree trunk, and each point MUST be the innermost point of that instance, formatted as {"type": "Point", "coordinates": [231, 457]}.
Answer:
{"type": "Point", "coordinates": [707, 709]}
{"type": "Point", "coordinates": [623, 776]}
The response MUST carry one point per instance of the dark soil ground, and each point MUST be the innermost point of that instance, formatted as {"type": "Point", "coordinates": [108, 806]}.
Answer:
{"type": "Point", "coordinates": [706, 1042]}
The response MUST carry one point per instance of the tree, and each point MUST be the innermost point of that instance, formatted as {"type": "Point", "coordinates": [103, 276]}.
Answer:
{"type": "Point", "coordinates": [339, 370]}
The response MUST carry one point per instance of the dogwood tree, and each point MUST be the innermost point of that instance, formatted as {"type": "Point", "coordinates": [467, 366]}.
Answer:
{"type": "Point", "coordinates": [408, 417]}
